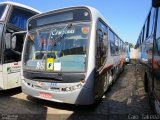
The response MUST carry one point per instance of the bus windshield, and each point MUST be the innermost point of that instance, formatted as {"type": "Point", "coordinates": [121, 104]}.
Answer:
{"type": "Point", "coordinates": [57, 48]}
{"type": "Point", "coordinates": [2, 9]}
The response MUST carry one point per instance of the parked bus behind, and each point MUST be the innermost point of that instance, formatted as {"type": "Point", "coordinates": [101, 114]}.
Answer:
{"type": "Point", "coordinates": [13, 19]}
{"type": "Point", "coordinates": [149, 43]}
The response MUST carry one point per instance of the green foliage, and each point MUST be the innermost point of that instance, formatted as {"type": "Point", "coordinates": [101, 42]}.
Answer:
{"type": "Point", "coordinates": [131, 45]}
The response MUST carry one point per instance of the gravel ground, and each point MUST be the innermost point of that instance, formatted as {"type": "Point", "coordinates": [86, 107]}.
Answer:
{"type": "Point", "coordinates": [125, 99]}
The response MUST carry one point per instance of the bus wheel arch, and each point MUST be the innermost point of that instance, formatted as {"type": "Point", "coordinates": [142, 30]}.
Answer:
{"type": "Point", "coordinates": [110, 76]}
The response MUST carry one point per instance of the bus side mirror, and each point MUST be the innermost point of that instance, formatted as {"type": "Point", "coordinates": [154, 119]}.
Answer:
{"type": "Point", "coordinates": [156, 3]}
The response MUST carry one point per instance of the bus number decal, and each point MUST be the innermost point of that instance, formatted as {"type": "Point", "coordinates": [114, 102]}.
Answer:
{"type": "Point", "coordinates": [40, 65]}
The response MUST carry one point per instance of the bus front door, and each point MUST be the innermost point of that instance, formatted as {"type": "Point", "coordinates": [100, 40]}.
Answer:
{"type": "Point", "coordinates": [12, 59]}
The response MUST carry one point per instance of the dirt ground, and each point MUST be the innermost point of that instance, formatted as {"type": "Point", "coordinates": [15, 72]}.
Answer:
{"type": "Point", "coordinates": [125, 99]}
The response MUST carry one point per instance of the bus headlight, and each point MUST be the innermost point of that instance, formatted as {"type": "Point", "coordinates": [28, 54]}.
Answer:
{"type": "Point", "coordinates": [68, 88]}
{"type": "Point", "coordinates": [72, 87]}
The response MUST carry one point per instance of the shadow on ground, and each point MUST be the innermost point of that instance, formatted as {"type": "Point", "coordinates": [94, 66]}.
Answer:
{"type": "Point", "coordinates": [13, 108]}
{"type": "Point", "coordinates": [124, 100]}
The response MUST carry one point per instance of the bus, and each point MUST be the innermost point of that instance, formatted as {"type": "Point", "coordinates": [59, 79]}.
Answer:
{"type": "Point", "coordinates": [128, 51]}
{"type": "Point", "coordinates": [13, 19]}
{"type": "Point", "coordinates": [148, 44]}
{"type": "Point", "coordinates": [70, 55]}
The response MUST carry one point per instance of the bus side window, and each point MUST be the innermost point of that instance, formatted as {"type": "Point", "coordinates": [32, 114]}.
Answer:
{"type": "Point", "coordinates": [13, 47]}
{"type": "Point", "coordinates": [112, 42]}
{"type": "Point", "coordinates": [116, 45]}
{"type": "Point", "coordinates": [99, 43]}
{"type": "Point", "coordinates": [8, 34]}
{"type": "Point", "coordinates": [102, 39]}
{"type": "Point", "coordinates": [158, 32]}
{"type": "Point", "coordinates": [8, 40]}
{"type": "Point", "coordinates": [105, 42]}
{"type": "Point", "coordinates": [1, 32]}
{"type": "Point", "coordinates": [19, 17]}
{"type": "Point", "coordinates": [151, 21]}
{"type": "Point", "coordinates": [99, 50]}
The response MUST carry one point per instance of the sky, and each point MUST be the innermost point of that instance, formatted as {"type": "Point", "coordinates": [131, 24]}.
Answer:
{"type": "Point", "coordinates": [125, 17]}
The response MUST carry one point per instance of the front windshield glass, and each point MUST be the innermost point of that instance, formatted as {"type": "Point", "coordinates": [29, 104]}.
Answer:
{"type": "Point", "coordinates": [59, 48]}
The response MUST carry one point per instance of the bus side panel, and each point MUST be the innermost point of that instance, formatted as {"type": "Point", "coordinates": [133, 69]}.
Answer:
{"type": "Point", "coordinates": [146, 59]}
{"type": "Point", "coordinates": [1, 78]}
{"type": "Point", "coordinates": [117, 64]}
{"type": "Point", "coordinates": [156, 70]}
{"type": "Point", "coordinates": [11, 74]}
{"type": "Point", "coordinates": [102, 81]}
{"type": "Point", "coordinates": [156, 79]}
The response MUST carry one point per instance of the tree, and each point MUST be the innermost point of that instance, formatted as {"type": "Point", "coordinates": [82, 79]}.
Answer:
{"type": "Point", "coordinates": [131, 45]}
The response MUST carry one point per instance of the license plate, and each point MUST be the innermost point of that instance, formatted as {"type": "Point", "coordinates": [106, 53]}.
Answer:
{"type": "Point", "coordinates": [45, 95]}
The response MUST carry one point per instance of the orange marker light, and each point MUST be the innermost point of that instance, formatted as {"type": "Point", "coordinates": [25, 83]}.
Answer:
{"type": "Point", "coordinates": [85, 30]}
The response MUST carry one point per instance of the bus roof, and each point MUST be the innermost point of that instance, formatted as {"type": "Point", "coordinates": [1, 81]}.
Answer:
{"type": "Point", "coordinates": [20, 5]}
{"type": "Point", "coordinates": [95, 14]}
{"type": "Point", "coordinates": [94, 11]}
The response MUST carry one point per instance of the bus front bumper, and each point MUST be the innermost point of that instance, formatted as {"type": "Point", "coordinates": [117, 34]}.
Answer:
{"type": "Point", "coordinates": [82, 96]}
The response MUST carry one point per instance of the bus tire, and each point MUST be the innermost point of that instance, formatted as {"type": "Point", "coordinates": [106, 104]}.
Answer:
{"type": "Point", "coordinates": [106, 82]}
{"type": "Point", "coordinates": [110, 78]}
{"type": "Point", "coordinates": [154, 104]}
{"type": "Point", "coordinates": [152, 101]}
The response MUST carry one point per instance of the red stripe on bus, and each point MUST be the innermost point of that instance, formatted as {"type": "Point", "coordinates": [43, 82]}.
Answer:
{"type": "Point", "coordinates": [104, 70]}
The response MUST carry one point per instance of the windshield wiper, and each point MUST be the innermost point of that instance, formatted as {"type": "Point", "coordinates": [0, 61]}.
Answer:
{"type": "Point", "coordinates": [60, 36]}
{"type": "Point", "coordinates": [55, 41]}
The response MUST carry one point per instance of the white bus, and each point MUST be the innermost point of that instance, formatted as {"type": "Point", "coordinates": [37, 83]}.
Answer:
{"type": "Point", "coordinates": [13, 18]}
{"type": "Point", "coordinates": [70, 55]}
